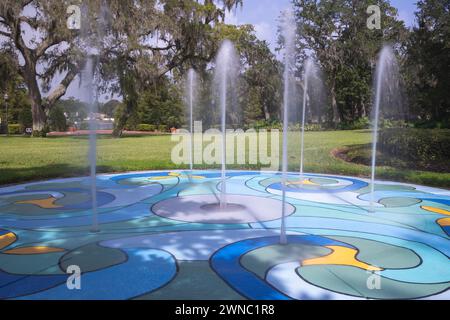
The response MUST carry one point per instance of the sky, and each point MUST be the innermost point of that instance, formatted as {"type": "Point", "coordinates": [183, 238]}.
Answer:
{"type": "Point", "coordinates": [263, 14]}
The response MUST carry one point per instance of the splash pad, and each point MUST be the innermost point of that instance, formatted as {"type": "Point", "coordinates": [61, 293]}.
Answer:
{"type": "Point", "coordinates": [160, 231]}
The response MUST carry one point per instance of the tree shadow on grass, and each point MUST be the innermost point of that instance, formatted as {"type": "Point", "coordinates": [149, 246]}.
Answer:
{"type": "Point", "coordinates": [16, 175]}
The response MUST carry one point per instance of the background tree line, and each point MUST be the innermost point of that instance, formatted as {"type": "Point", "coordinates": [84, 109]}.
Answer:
{"type": "Point", "coordinates": [144, 60]}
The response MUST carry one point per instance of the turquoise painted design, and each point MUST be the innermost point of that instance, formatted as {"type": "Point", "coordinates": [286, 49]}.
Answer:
{"type": "Point", "coordinates": [46, 223]}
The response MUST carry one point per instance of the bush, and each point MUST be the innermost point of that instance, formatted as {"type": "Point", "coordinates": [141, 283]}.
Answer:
{"type": "Point", "coordinates": [146, 127]}
{"type": "Point", "coordinates": [57, 119]}
{"type": "Point", "coordinates": [359, 124]}
{"type": "Point", "coordinates": [25, 118]}
{"type": "Point", "coordinates": [364, 123]}
{"type": "Point", "coordinates": [132, 122]}
{"type": "Point", "coordinates": [14, 129]}
{"type": "Point", "coordinates": [425, 124]}
{"type": "Point", "coordinates": [84, 126]}
{"type": "Point", "coordinates": [308, 127]}
{"type": "Point", "coordinates": [162, 128]}
{"type": "Point", "coordinates": [264, 124]}
{"type": "Point", "coordinates": [423, 147]}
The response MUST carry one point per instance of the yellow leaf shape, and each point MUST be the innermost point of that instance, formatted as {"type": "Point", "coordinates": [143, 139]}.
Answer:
{"type": "Point", "coordinates": [7, 239]}
{"type": "Point", "coordinates": [304, 182]}
{"type": "Point", "coordinates": [436, 210]}
{"type": "Point", "coordinates": [176, 175]}
{"type": "Point", "coordinates": [444, 222]}
{"type": "Point", "coordinates": [33, 250]}
{"type": "Point", "coordinates": [340, 256]}
{"type": "Point", "coordinates": [48, 203]}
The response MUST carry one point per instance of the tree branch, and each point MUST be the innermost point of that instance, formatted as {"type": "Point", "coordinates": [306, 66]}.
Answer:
{"type": "Point", "coordinates": [170, 46]}
{"type": "Point", "coordinates": [45, 44]}
{"type": "Point", "coordinates": [61, 88]}
{"type": "Point", "coordinates": [31, 22]}
{"type": "Point", "coordinates": [3, 21]}
{"type": "Point", "coordinates": [6, 34]}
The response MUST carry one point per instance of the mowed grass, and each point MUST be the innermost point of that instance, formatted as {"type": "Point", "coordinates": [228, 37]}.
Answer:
{"type": "Point", "coordinates": [27, 159]}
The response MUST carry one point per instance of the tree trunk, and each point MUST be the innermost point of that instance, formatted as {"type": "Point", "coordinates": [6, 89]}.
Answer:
{"type": "Point", "coordinates": [39, 119]}
{"type": "Point", "coordinates": [34, 93]}
{"type": "Point", "coordinates": [14, 20]}
{"type": "Point", "coordinates": [266, 112]}
{"type": "Point", "coordinates": [363, 110]}
{"type": "Point", "coordinates": [40, 108]}
{"type": "Point", "coordinates": [119, 126]}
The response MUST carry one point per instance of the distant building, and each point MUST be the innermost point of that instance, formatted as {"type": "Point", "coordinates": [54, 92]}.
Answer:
{"type": "Point", "coordinates": [103, 121]}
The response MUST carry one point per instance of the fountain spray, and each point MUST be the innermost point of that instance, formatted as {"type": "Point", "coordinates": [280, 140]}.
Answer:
{"type": "Point", "coordinates": [289, 35]}
{"type": "Point", "coordinates": [386, 85]}
{"type": "Point", "coordinates": [225, 68]}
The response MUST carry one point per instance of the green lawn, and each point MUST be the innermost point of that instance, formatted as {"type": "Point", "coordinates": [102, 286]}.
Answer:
{"type": "Point", "coordinates": [26, 159]}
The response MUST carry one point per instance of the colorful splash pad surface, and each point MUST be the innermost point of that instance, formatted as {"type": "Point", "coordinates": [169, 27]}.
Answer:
{"type": "Point", "coordinates": [162, 238]}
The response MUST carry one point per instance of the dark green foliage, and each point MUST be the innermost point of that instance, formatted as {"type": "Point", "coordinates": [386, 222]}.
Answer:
{"type": "Point", "coordinates": [429, 149]}
{"type": "Point", "coordinates": [109, 108]}
{"type": "Point", "coordinates": [428, 64]}
{"type": "Point", "coordinates": [358, 124]}
{"type": "Point", "coordinates": [162, 128]}
{"type": "Point", "coordinates": [433, 124]}
{"type": "Point", "coordinates": [161, 104]}
{"type": "Point", "coordinates": [57, 119]}
{"type": "Point", "coordinates": [75, 110]}
{"type": "Point", "coordinates": [146, 127]}
{"type": "Point", "coordinates": [125, 115]}
{"type": "Point", "coordinates": [261, 84]}
{"type": "Point", "coordinates": [265, 124]}
{"type": "Point", "coordinates": [19, 109]}
{"type": "Point", "coordinates": [337, 35]}
{"type": "Point", "coordinates": [25, 118]}
{"type": "Point", "coordinates": [14, 129]}
{"type": "Point", "coordinates": [84, 126]}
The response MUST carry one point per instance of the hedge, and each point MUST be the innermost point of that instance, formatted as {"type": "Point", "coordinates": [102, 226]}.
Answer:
{"type": "Point", "coordinates": [425, 147]}
{"type": "Point", "coordinates": [146, 127]}
{"type": "Point", "coordinates": [14, 129]}
{"type": "Point", "coordinates": [162, 128]}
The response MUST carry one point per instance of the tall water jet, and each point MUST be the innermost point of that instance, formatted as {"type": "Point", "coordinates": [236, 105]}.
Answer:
{"type": "Point", "coordinates": [306, 76]}
{"type": "Point", "coordinates": [313, 93]}
{"type": "Point", "coordinates": [87, 76]}
{"type": "Point", "coordinates": [191, 85]}
{"type": "Point", "coordinates": [386, 96]}
{"type": "Point", "coordinates": [87, 84]}
{"type": "Point", "coordinates": [92, 43]}
{"type": "Point", "coordinates": [225, 76]}
{"type": "Point", "coordinates": [289, 56]}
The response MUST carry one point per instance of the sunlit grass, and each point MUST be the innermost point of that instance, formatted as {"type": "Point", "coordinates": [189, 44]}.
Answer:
{"type": "Point", "coordinates": [25, 159]}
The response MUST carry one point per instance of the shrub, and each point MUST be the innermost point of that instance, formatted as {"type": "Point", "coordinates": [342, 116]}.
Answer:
{"type": "Point", "coordinates": [25, 118]}
{"type": "Point", "coordinates": [14, 129]}
{"type": "Point", "coordinates": [423, 147]}
{"type": "Point", "coordinates": [264, 124]}
{"type": "Point", "coordinates": [132, 122]}
{"type": "Point", "coordinates": [359, 124]}
{"type": "Point", "coordinates": [146, 127]}
{"type": "Point", "coordinates": [426, 124]}
{"type": "Point", "coordinates": [84, 126]}
{"type": "Point", "coordinates": [57, 119]}
{"type": "Point", "coordinates": [162, 128]}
